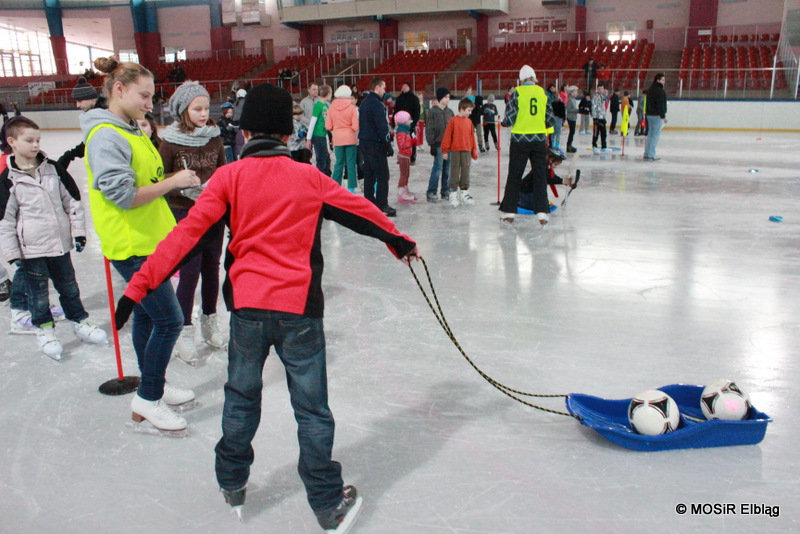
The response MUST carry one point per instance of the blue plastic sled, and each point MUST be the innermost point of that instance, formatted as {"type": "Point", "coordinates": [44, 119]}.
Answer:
{"type": "Point", "coordinates": [609, 418]}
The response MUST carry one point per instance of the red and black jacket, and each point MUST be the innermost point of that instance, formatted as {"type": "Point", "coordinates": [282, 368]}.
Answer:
{"type": "Point", "coordinates": [274, 207]}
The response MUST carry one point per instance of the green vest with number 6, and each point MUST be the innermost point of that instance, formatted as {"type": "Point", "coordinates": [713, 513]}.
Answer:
{"type": "Point", "coordinates": [532, 112]}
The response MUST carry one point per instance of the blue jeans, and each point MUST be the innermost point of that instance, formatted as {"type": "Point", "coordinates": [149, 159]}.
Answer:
{"type": "Point", "coordinates": [555, 137]}
{"type": "Point", "coordinates": [229, 154]}
{"type": "Point", "coordinates": [300, 344]}
{"type": "Point", "coordinates": [440, 166]}
{"type": "Point", "coordinates": [19, 289]}
{"type": "Point", "coordinates": [38, 273]}
{"type": "Point", "coordinates": [322, 158]}
{"type": "Point", "coordinates": [654, 125]}
{"type": "Point", "coordinates": [157, 324]}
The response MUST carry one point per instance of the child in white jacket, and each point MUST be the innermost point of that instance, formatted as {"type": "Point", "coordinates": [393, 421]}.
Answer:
{"type": "Point", "coordinates": [41, 209]}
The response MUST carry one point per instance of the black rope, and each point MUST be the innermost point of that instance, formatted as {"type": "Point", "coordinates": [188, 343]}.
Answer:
{"type": "Point", "coordinates": [505, 390]}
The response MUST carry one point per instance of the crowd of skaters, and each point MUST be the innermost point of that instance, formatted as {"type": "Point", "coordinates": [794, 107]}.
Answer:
{"type": "Point", "coordinates": [143, 181]}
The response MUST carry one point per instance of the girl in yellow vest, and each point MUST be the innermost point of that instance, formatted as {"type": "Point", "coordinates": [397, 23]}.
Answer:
{"type": "Point", "coordinates": [126, 190]}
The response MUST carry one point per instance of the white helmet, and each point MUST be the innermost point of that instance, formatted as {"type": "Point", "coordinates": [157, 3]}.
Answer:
{"type": "Point", "coordinates": [526, 72]}
{"type": "Point", "coordinates": [241, 93]}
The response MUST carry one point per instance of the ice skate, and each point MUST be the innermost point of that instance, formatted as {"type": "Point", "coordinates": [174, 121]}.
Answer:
{"type": "Point", "coordinates": [543, 218]}
{"type": "Point", "coordinates": [185, 349]}
{"type": "Point", "coordinates": [403, 195]}
{"type": "Point", "coordinates": [155, 417]}
{"type": "Point", "coordinates": [431, 197]}
{"type": "Point", "coordinates": [507, 218]}
{"type": "Point", "coordinates": [179, 400]}
{"type": "Point", "coordinates": [5, 290]}
{"type": "Point", "coordinates": [21, 323]}
{"type": "Point", "coordinates": [212, 335]}
{"type": "Point", "coordinates": [466, 198]}
{"type": "Point", "coordinates": [340, 519]}
{"type": "Point", "coordinates": [89, 333]}
{"type": "Point", "coordinates": [236, 499]}
{"type": "Point", "coordinates": [454, 199]}
{"type": "Point", "coordinates": [48, 342]}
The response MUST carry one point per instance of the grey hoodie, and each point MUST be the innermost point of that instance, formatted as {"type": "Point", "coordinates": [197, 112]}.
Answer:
{"type": "Point", "coordinates": [109, 156]}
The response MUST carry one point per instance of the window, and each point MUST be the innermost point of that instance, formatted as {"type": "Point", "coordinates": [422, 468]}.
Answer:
{"type": "Point", "coordinates": [621, 31]}
{"type": "Point", "coordinates": [25, 53]}
{"type": "Point", "coordinates": [171, 55]}
{"type": "Point", "coordinates": [128, 56]}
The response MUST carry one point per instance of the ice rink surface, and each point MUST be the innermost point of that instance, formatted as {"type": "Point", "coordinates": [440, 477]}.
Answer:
{"type": "Point", "coordinates": [656, 273]}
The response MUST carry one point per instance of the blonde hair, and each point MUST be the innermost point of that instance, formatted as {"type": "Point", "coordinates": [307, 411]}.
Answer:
{"type": "Point", "coordinates": [114, 71]}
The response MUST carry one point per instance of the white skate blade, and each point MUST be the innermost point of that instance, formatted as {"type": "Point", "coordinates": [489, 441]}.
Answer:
{"type": "Point", "coordinates": [21, 332]}
{"type": "Point", "coordinates": [349, 520]}
{"type": "Point", "coordinates": [146, 428]}
{"type": "Point", "coordinates": [197, 362]}
{"type": "Point", "coordinates": [185, 407]}
{"type": "Point", "coordinates": [237, 511]}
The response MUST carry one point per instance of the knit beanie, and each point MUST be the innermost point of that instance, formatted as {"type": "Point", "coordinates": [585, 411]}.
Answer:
{"type": "Point", "coordinates": [442, 92]}
{"type": "Point", "coordinates": [183, 96]}
{"type": "Point", "coordinates": [268, 110]}
{"type": "Point", "coordinates": [402, 117]}
{"type": "Point", "coordinates": [83, 91]}
{"type": "Point", "coordinates": [526, 72]}
{"type": "Point", "coordinates": [343, 92]}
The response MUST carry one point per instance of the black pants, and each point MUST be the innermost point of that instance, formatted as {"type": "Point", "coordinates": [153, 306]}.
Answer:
{"type": "Point", "coordinates": [599, 129]}
{"type": "Point", "coordinates": [571, 132]}
{"type": "Point", "coordinates": [613, 121]}
{"type": "Point", "coordinates": [376, 170]}
{"type": "Point", "coordinates": [489, 129]}
{"type": "Point", "coordinates": [519, 155]}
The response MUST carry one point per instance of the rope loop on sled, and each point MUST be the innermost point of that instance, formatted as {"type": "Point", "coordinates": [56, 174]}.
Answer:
{"type": "Point", "coordinates": [505, 390]}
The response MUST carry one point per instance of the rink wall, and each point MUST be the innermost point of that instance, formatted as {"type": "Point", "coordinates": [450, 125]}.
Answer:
{"type": "Point", "coordinates": [761, 115]}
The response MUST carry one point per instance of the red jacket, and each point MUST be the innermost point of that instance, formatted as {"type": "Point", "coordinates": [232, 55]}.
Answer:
{"type": "Point", "coordinates": [459, 136]}
{"type": "Point", "coordinates": [404, 144]}
{"type": "Point", "coordinates": [274, 208]}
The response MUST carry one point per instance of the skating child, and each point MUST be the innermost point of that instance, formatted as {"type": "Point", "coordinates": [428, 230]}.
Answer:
{"type": "Point", "coordinates": [193, 142]}
{"type": "Point", "coordinates": [342, 121]}
{"type": "Point", "coordinates": [318, 135]}
{"type": "Point", "coordinates": [228, 130]}
{"type": "Point", "coordinates": [41, 202]}
{"type": "Point", "coordinates": [489, 121]}
{"type": "Point", "coordinates": [405, 146]}
{"type": "Point", "coordinates": [458, 145]}
{"type": "Point", "coordinates": [554, 158]}
{"type": "Point", "coordinates": [149, 128]}
{"type": "Point", "coordinates": [585, 111]}
{"type": "Point", "coordinates": [438, 117]}
{"type": "Point", "coordinates": [297, 142]}
{"type": "Point", "coordinates": [599, 104]}
{"type": "Point", "coordinates": [275, 295]}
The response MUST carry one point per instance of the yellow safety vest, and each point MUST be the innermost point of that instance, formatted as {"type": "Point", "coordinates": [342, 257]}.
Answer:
{"type": "Point", "coordinates": [136, 231]}
{"type": "Point", "coordinates": [532, 111]}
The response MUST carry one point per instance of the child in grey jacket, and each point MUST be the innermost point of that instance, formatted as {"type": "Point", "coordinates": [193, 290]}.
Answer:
{"type": "Point", "coordinates": [42, 217]}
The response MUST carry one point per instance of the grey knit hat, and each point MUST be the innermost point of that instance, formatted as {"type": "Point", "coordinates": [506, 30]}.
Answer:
{"type": "Point", "coordinates": [83, 91]}
{"type": "Point", "coordinates": [183, 96]}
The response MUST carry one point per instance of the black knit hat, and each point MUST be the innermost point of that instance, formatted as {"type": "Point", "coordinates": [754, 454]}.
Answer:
{"type": "Point", "coordinates": [442, 92]}
{"type": "Point", "coordinates": [267, 109]}
{"type": "Point", "coordinates": [83, 91]}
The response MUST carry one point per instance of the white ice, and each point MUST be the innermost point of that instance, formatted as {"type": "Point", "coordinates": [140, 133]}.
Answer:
{"type": "Point", "coordinates": [655, 273]}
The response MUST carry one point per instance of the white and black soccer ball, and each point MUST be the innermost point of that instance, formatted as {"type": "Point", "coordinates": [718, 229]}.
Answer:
{"type": "Point", "coordinates": [653, 412]}
{"type": "Point", "coordinates": [724, 400]}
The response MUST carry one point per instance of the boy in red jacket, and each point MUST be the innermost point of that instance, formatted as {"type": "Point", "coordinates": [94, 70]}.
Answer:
{"type": "Point", "coordinates": [457, 146]}
{"type": "Point", "coordinates": [274, 292]}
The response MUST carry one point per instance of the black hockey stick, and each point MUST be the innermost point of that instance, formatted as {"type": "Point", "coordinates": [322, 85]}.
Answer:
{"type": "Point", "coordinates": [572, 187]}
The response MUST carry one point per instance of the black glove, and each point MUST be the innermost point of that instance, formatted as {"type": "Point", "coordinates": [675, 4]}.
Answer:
{"type": "Point", "coordinates": [14, 261]}
{"type": "Point", "coordinates": [80, 242]}
{"type": "Point", "coordinates": [124, 309]}
{"type": "Point", "coordinates": [433, 151]}
{"type": "Point", "coordinates": [389, 150]}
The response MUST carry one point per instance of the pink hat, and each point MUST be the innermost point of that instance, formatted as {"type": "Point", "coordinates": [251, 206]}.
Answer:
{"type": "Point", "coordinates": [402, 117]}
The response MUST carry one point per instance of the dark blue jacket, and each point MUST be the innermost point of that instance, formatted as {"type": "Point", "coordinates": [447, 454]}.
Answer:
{"type": "Point", "coordinates": [372, 124]}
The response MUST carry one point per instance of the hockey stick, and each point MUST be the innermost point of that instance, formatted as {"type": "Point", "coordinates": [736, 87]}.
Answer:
{"type": "Point", "coordinates": [572, 187]}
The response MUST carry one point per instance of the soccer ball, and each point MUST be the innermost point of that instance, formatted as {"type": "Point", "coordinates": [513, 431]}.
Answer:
{"type": "Point", "coordinates": [653, 412]}
{"type": "Point", "coordinates": [724, 400]}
